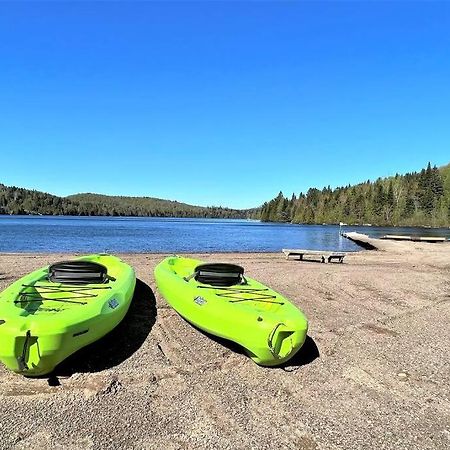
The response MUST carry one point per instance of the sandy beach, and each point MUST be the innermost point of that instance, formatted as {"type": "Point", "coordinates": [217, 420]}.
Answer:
{"type": "Point", "coordinates": [374, 372]}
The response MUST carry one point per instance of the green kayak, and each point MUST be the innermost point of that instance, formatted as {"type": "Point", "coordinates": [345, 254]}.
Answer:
{"type": "Point", "coordinates": [51, 313]}
{"type": "Point", "coordinates": [219, 299]}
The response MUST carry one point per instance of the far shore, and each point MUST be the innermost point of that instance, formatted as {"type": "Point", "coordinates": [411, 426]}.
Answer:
{"type": "Point", "coordinates": [372, 374]}
{"type": "Point", "coordinates": [426, 227]}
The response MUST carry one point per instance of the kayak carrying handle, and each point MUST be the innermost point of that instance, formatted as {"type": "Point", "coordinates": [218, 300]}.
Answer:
{"type": "Point", "coordinates": [270, 343]}
{"type": "Point", "coordinates": [22, 359]}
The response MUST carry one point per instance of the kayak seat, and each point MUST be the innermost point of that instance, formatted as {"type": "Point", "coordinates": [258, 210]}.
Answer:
{"type": "Point", "coordinates": [219, 274]}
{"type": "Point", "coordinates": [77, 272]}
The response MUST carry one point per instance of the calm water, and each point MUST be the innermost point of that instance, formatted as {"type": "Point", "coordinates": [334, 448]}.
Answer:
{"type": "Point", "coordinates": [119, 234]}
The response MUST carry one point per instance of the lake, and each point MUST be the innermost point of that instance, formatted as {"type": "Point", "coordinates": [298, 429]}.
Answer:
{"type": "Point", "coordinates": [170, 235]}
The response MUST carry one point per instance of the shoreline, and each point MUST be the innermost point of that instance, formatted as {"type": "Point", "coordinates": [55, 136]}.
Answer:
{"type": "Point", "coordinates": [445, 227]}
{"type": "Point", "coordinates": [373, 373]}
{"type": "Point", "coordinates": [265, 252]}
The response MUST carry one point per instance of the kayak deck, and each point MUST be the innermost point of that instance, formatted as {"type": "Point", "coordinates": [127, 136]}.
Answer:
{"type": "Point", "coordinates": [261, 297]}
{"type": "Point", "coordinates": [43, 321]}
{"type": "Point", "coordinates": [269, 327]}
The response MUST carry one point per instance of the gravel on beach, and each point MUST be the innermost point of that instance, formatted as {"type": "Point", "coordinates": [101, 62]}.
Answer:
{"type": "Point", "coordinates": [374, 372]}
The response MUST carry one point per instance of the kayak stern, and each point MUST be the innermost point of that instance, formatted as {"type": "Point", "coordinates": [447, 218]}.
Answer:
{"type": "Point", "coordinates": [282, 343]}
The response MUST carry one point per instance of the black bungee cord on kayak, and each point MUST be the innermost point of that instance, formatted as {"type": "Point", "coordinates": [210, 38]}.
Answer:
{"type": "Point", "coordinates": [233, 293]}
{"type": "Point", "coordinates": [79, 291]}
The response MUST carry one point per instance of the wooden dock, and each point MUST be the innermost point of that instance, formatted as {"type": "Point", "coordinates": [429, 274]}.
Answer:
{"type": "Point", "coordinates": [362, 240]}
{"type": "Point", "coordinates": [395, 237]}
{"type": "Point", "coordinates": [381, 243]}
{"type": "Point", "coordinates": [324, 256]}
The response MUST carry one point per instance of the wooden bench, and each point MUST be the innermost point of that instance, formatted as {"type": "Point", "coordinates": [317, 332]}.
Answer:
{"type": "Point", "coordinates": [324, 256]}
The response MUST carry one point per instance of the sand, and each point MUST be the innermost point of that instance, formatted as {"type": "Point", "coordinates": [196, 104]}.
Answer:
{"type": "Point", "coordinates": [374, 373]}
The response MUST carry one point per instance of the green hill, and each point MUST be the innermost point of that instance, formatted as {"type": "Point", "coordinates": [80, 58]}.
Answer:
{"type": "Point", "coordinates": [149, 207]}
{"type": "Point", "coordinates": [14, 200]}
{"type": "Point", "coordinates": [416, 199]}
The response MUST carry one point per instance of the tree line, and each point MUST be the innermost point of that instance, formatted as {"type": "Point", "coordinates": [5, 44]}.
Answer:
{"type": "Point", "coordinates": [15, 200]}
{"type": "Point", "coordinates": [414, 199]}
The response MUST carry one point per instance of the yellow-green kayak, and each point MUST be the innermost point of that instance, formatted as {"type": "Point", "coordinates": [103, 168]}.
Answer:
{"type": "Point", "coordinates": [220, 300]}
{"type": "Point", "coordinates": [49, 314]}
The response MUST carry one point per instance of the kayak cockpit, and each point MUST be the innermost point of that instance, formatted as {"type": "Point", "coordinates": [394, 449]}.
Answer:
{"type": "Point", "coordinates": [78, 272]}
{"type": "Point", "coordinates": [219, 274]}
{"type": "Point", "coordinates": [64, 285]}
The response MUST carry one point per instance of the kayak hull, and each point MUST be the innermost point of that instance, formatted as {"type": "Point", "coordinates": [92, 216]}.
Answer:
{"type": "Point", "coordinates": [270, 329]}
{"type": "Point", "coordinates": [37, 334]}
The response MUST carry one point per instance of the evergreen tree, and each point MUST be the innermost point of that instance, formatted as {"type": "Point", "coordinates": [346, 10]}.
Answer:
{"type": "Point", "coordinates": [410, 207]}
{"type": "Point", "coordinates": [413, 199]}
{"type": "Point", "coordinates": [389, 203]}
{"type": "Point", "coordinates": [379, 201]}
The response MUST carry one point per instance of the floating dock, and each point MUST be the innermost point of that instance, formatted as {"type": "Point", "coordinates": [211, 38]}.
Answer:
{"type": "Point", "coordinates": [395, 237]}
{"type": "Point", "coordinates": [362, 240]}
{"type": "Point", "coordinates": [370, 243]}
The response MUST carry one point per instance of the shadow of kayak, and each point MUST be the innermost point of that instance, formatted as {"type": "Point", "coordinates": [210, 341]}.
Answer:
{"type": "Point", "coordinates": [118, 345]}
{"type": "Point", "coordinates": [306, 355]}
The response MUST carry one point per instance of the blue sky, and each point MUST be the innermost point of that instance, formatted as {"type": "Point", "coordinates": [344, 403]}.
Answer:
{"type": "Point", "coordinates": [220, 102]}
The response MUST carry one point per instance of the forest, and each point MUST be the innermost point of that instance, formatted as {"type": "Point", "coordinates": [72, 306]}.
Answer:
{"type": "Point", "coordinates": [15, 200]}
{"type": "Point", "coordinates": [414, 199]}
